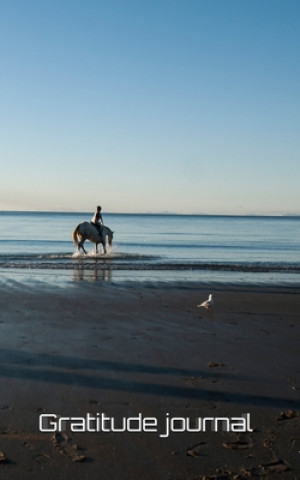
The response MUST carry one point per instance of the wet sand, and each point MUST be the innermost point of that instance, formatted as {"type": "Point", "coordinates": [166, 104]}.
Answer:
{"type": "Point", "coordinates": [146, 349]}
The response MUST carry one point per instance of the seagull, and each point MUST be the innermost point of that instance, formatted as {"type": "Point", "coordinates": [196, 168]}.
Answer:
{"type": "Point", "coordinates": [208, 303]}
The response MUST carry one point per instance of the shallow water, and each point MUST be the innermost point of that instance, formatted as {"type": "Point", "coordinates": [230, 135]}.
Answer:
{"type": "Point", "coordinates": [157, 247]}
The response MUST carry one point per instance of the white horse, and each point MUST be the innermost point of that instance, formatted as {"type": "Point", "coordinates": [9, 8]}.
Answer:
{"type": "Point", "coordinates": [87, 231]}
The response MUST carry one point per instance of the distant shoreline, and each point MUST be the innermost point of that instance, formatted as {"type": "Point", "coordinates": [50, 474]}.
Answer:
{"type": "Point", "coordinates": [150, 214]}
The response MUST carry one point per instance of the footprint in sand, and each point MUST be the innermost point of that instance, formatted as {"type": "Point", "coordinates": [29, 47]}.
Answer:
{"type": "Point", "coordinates": [278, 466]}
{"type": "Point", "coordinates": [264, 470]}
{"type": "Point", "coordinates": [64, 445]}
{"type": "Point", "coordinates": [197, 450]}
{"type": "Point", "coordinates": [193, 380]}
{"type": "Point", "coordinates": [236, 445]}
{"type": "Point", "coordinates": [288, 415]}
{"type": "Point", "coordinates": [215, 364]}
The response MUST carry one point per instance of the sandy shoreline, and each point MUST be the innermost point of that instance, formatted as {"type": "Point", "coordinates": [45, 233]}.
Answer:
{"type": "Point", "coordinates": [138, 348]}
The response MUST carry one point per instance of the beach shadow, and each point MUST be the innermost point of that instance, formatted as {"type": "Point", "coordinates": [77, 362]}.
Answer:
{"type": "Point", "coordinates": [90, 374]}
{"type": "Point", "coordinates": [31, 359]}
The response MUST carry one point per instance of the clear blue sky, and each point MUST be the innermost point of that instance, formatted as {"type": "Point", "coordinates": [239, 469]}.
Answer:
{"type": "Point", "coordinates": [150, 106]}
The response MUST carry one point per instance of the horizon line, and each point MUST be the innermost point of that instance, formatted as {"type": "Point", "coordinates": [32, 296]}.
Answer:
{"type": "Point", "coordinates": [161, 213]}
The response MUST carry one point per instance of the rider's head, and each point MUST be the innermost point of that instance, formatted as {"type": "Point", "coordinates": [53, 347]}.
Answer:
{"type": "Point", "coordinates": [98, 208]}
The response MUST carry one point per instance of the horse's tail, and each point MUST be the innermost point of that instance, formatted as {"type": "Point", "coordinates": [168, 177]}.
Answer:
{"type": "Point", "coordinates": [74, 235]}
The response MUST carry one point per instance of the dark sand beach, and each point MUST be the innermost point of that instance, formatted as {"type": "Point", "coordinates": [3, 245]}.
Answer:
{"type": "Point", "coordinates": [146, 349]}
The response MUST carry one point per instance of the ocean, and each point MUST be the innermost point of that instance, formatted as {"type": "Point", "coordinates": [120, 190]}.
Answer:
{"type": "Point", "coordinates": [201, 248]}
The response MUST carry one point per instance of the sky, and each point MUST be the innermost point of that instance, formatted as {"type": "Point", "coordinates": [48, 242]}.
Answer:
{"type": "Point", "coordinates": [150, 106]}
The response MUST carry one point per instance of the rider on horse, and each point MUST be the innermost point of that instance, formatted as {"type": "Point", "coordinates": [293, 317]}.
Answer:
{"type": "Point", "coordinates": [97, 220]}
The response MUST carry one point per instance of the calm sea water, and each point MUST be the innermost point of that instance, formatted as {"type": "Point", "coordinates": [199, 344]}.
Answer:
{"type": "Point", "coordinates": [168, 247]}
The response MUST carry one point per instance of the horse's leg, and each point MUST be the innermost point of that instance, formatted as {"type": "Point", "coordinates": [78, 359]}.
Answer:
{"type": "Point", "coordinates": [104, 247]}
{"type": "Point", "coordinates": [80, 245]}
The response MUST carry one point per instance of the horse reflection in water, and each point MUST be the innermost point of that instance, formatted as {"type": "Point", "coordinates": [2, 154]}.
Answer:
{"type": "Point", "coordinates": [91, 274]}
{"type": "Point", "coordinates": [86, 231]}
